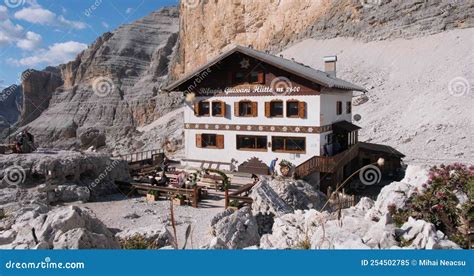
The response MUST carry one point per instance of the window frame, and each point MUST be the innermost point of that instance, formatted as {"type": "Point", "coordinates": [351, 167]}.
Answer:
{"type": "Point", "coordinates": [297, 108]}
{"type": "Point", "coordinates": [282, 109]}
{"type": "Point", "coordinates": [339, 108]}
{"type": "Point", "coordinates": [349, 107]}
{"type": "Point", "coordinates": [265, 149]}
{"type": "Point", "coordinates": [199, 109]}
{"type": "Point", "coordinates": [221, 104]}
{"type": "Point", "coordinates": [285, 150]}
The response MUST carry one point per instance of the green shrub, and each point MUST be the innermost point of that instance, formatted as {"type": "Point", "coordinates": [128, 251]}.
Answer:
{"type": "Point", "coordinates": [137, 242]}
{"type": "Point", "coordinates": [438, 203]}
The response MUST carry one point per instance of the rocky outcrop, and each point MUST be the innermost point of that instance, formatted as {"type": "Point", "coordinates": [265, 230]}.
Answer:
{"type": "Point", "coordinates": [235, 229]}
{"type": "Point", "coordinates": [157, 237]}
{"type": "Point", "coordinates": [368, 225]}
{"type": "Point", "coordinates": [113, 87]}
{"type": "Point", "coordinates": [62, 228]}
{"type": "Point", "coordinates": [273, 25]}
{"type": "Point", "coordinates": [61, 176]}
{"type": "Point", "coordinates": [38, 88]}
{"type": "Point", "coordinates": [281, 196]}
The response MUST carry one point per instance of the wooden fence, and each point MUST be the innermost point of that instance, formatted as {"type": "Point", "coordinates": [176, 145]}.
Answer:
{"type": "Point", "coordinates": [139, 156]}
{"type": "Point", "coordinates": [170, 192]}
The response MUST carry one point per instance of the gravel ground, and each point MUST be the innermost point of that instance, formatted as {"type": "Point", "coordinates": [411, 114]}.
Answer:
{"type": "Point", "coordinates": [121, 213]}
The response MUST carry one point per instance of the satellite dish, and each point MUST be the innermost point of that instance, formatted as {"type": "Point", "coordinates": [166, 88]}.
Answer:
{"type": "Point", "coordinates": [357, 117]}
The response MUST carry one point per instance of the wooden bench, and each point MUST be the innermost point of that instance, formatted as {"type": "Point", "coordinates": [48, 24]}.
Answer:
{"type": "Point", "coordinates": [210, 181]}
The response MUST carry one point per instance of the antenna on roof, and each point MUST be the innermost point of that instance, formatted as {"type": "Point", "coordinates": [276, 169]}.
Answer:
{"type": "Point", "coordinates": [250, 46]}
{"type": "Point", "coordinates": [293, 59]}
{"type": "Point", "coordinates": [281, 56]}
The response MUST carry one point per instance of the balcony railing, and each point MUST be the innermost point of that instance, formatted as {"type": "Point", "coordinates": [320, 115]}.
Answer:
{"type": "Point", "coordinates": [327, 164]}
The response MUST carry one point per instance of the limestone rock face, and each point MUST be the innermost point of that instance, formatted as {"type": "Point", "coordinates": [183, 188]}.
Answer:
{"type": "Point", "coordinates": [273, 25]}
{"type": "Point", "coordinates": [10, 106]}
{"type": "Point", "coordinates": [113, 87]}
{"type": "Point", "coordinates": [236, 230]}
{"type": "Point", "coordinates": [55, 169]}
{"type": "Point", "coordinates": [38, 88]}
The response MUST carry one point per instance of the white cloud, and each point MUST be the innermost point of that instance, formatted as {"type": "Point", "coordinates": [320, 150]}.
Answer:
{"type": "Point", "coordinates": [105, 24]}
{"type": "Point", "coordinates": [38, 15]}
{"type": "Point", "coordinates": [3, 13]}
{"type": "Point", "coordinates": [30, 42]}
{"type": "Point", "coordinates": [56, 54]}
{"type": "Point", "coordinates": [9, 32]}
{"type": "Point", "coordinates": [129, 10]}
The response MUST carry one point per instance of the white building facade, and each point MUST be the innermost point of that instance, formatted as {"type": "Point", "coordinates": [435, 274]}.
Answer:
{"type": "Point", "coordinates": [252, 107]}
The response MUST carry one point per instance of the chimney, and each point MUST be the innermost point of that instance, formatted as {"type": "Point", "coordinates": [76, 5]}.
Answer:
{"type": "Point", "coordinates": [330, 65]}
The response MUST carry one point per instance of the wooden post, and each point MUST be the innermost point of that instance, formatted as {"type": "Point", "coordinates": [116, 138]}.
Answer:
{"type": "Point", "coordinates": [195, 196]}
{"type": "Point", "coordinates": [226, 193]}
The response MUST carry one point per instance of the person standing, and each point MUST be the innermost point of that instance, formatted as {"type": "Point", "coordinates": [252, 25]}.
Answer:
{"type": "Point", "coordinates": [273, 167]}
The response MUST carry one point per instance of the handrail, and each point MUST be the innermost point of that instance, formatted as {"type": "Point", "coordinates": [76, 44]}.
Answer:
{"type": "Point", "coordinates": [139, 156]}
{"type": "Point", "coordinates": [327, 164]}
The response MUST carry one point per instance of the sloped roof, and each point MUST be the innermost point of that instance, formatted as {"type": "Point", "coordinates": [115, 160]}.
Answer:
{"type": "Point", "coordinates": [380, 148]}
{"type": "Point", "coordinates": [346, 126]}
{"type": "Point", "coordinates": [290, 66]}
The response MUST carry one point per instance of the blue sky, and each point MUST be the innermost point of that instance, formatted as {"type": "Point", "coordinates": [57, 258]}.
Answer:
{"type": "Point", "coordinates": [38, 33]}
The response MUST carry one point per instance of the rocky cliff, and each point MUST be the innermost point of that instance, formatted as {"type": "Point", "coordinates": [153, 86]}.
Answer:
{"type": "Point", "coordinates": [38, 88]}
{"type": "Point", "coordinates": [112, 87]}
{"type": "Point", "coordinates": [10, 106]}
{"type": "Point", "coordinates": [209, 26]}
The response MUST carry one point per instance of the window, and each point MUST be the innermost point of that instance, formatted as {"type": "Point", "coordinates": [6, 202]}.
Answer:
{"type": "Point", "coordinates": [274, 109]}
{"type": "Point", "coordinates": [289, 144]}
{"type": "Point", "coordinates": [339, 108]}
{"type": "Point", "coordinates": [292, 109]}
{"type": "Point", "coordinates": [348, 107]}
{"type": "Point", "coordinates": [295, 109]}
{"type": "Point", "coordinates": [246, 109]}
{"type": "Point", "coordinates": [210, 141]}
{"type": "Point", "coordinates": [218, 109]}
{"type": "Point", "coordinates": [202, 108]}
{"type": "Point", "coordinates": [239, 78]}
{"type": "Point", "coordinates": [253, 77]}
{"type": "Point", "coordinates": [251, 142]}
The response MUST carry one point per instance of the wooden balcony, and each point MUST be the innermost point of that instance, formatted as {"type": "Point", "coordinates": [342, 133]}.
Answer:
{"type": "Point", "coordinates": [327, 164]}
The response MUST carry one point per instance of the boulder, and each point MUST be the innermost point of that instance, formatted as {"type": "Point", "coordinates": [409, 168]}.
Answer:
{"type": "Point", "coordinates": [419, 234]}
{"type": "Point", "coordinates": [160, 237]}
{"type": "Point", "coordinates": [280, 196]}
{"type": "Point", "coordinates": [92, 137]}
{"type": "Point", "coordinates": [236, 229]}
{"type": "Point", "coordinates": [71, 193]}
{"type": "Point", "coordinates": [62, 228]}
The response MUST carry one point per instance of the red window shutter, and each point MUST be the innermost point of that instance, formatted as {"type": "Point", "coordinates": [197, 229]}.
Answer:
{"type": "Point", "coordinates": [302, 110]}
{"type": "Point", "coordinates": [236, 109]}
{"type": "Point", "coordinates": [196, 109]}
{"type": "Point", "coordinates": [198, 140]}
{"type": "Point", "coordinates": [223, 108]}
{"type": "Point", "coordinates": [261, 77]}
{"type": "Point", "coordinates": [267, 109]}
{"type": "Point", "coordinates": [220, 141]}
{"type": "Point", "coordinates": [254, 109]}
